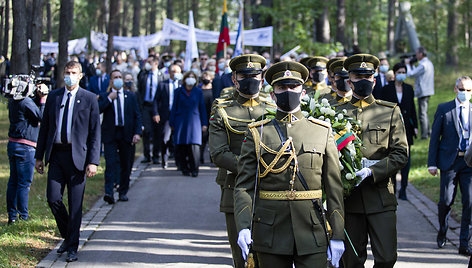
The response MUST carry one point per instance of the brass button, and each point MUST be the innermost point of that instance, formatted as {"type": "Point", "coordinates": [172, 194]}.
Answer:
{"type": "Point", "coordinates": [314, 150]}
{"type": "Point", "coordinates": [289, 125]}
{"type": "Point", "coordinates": [360, 110]}
{"type": "Point", "coordinates": [378, 127]}
{"type": "Point", "coordinates": [251, 109]}
{"type": "Point", "coordinates": [258, 219]}
{"type": "Point", "coordinates": [253, 120]}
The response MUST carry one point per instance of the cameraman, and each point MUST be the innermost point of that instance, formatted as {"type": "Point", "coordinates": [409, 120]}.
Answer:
{"type": "Point", "coordinates": [424, 86]}
{"type": "Point", "coordinates": [25, 116]}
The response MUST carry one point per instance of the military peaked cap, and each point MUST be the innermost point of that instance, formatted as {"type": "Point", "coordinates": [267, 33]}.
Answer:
{"type": "Point", "coordinates": [305, 60]}
{"type": "Point", "coordinates": [248, 64]}
{"type": "Point", "coordinates": [286, 72]}
{"type": "Point", "coordinates": [361, 64]}
{"type": "Point", "coordinates": [317, 63]}
{"type": "Point", "coordinates": [337, 67]}
{"type": "Point", "coordinates": [328, 64]}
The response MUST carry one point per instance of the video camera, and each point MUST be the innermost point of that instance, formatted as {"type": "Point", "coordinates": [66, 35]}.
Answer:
{"type": "Point", "coordinates": [20, 86]}
{"type": "Point", "coordinates": [412, 58]}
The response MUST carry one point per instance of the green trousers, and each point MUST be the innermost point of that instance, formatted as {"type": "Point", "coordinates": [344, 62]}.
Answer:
{"type": "Point", "coordinates": [267, 260]}
{"type": "Point", "coordinates": [233, 240]}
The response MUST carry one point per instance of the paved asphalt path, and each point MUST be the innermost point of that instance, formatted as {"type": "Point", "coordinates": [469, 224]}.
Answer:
{"type": "Point", "coordinates": [174, 221]}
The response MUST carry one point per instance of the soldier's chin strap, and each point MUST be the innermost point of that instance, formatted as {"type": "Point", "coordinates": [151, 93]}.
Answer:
{"type": "Point", "coordinates": [317, 203]}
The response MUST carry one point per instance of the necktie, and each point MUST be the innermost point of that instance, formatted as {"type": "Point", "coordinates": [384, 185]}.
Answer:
{"type": "Point", "coordinates": [150, 86]}
{"type": "Point", "coordinates": [463, 143]}
{"type": "Point", "coordinates": [64, 120]}
{"type": "Point", "coordinates": [100, 84]}
{"type": "Point", "coordinates": [120, 113]}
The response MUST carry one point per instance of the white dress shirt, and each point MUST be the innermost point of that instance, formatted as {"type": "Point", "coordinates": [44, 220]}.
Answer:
{"type": "Point", "coordinates": [173, 85]}
{"type": "Point", "coordinates": [155, 78]}
{"type": "Point", "coordinates": [122, 104]}
{"type": "Point", "coordinates": [465, 116]}
{"type": "Point", "coordinates": [69, 115]}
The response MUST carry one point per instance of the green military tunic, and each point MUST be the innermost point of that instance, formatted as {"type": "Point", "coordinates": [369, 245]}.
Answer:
{"type": "Point", "coordinates": [288, 227]}
{"type": "Point", "coordinates": [384, 139]}
{"type": "Point", "coordinates": [338, 100]}
{"type": "Point", "coordinates": [322, 88]}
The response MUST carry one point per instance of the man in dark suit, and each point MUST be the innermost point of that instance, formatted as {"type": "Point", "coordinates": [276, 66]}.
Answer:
{"type": "Point", "coordinates": [222, 79]}
{"type": "Point", "coordinates": [381, 79]}
{"type": "Point", "coordinates": [99, 83]}
{"type": "Point", "coordinates": [69, 140]}
{"type": "Point", "coordinates": [121, 129]}
{"type": "Point", "coordinates": [162, 106]}
{"type": "Point", "coordinates": [148, 81]}
{"type": "Point", "coordinates": [449, 141]}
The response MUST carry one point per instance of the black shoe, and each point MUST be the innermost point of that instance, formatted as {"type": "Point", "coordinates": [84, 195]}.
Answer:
{"type": "Point", "coordinates": [109, 199]}
{"type": "Point", "coordinates": [164, 165]}
{"type": "Point", "coordinates": [146, 160]}
{"type": "Point", "coordinates": [185, 173]}
{"type": "Point", "coordinates": [62, 248]}
{"type": "Point", "coordinates": [441, 239]}
{"type": "Point", "coordinates": [466, 251]}
{"type": "Point", "coordinates": [123, 198]}
{"type": "Point", "coordinates": [156, 161]}
{"type": "Point", "coordinates": [10, 222]}
{"type": "Point", "coordinates": [71, 256]}
{"type": "Point", "coordinates": [194, 174]}
{"type": "Point", "coordinates": [402, 195]}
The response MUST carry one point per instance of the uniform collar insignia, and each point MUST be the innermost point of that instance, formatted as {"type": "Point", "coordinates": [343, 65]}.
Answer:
{"type": "Point", "coordinates": [289, 118]}
{"type": "Point", "coordinates": [364, 102]}
{"type": "Point", "coordinates": [251, 102]}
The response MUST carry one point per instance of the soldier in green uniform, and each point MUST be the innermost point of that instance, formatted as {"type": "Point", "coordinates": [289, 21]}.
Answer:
{"type": "Point", "coordinates": [228, 124]}
{"type": "Point", "coordinates": [371, 207]}
{"type": "Point", "coordinates": [318, 73]}
{"type": "Point", "coordinates": [332, 94]}
{"type": "Point", "coordinates": [340, 76]}
{"type": "Point", "coordinates": [304, 61]}
{"type": "Point", "coordinates": [291, 169]}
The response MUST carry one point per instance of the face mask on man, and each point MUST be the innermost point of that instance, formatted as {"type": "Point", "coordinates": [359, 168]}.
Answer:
{"type": "Point", "coordinates": [249, 85]}
{"type": "Point", "coordinates": [128, 84]}
{"type": "Point", "coordinates": [318, 77]}
{"type": "Point", "coordinates": [363, 87]}
{"type": "Point", "coordinates": [98, 72]}
{"type": "Point", "coordinates": [288, 101]}
{"type": "Point", "coordinates": [71, 80]}
{"type": "Point", "coordinates": [206, 81]}
{"type": "Point", "coordinates": [147, 66]}
{"type": "Point", "coordinates": [227, 70]}
{"type": "Point", "coordinates": [463, 96]}
{"type": "Point", "coordinates": [221, 65]}
{"type": "Point", "coordinates": [167, 64]}
{"type": "Point", "coordinates": [400, 77]}
{"type": "Point", "coordinates": [178, 76]}
{"type": "Point", "coordinates": [383, 68]}
{"type": "Point", "coordinates": [341, 85]}
{"type": "Point", "coordinates": [190, 81]}
{"type": "Point", "coordinates": [118, 83]}
{"type": "Point", "coordinates": [212, 68]}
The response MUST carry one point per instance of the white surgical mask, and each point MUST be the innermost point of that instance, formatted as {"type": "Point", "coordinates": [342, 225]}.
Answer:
{"type": "Point", "coordinates": [463, 96]}
{"type": "Point", "coordinates": [71, 80]}
{"type": "Point", "coordinates": [178, 76]}
{"type": "Point", "coordinates": [221, 65]}
{"type": "Point", "coordinates": [147, 66]}
{"type": "Point", "coordinates": [227, 70]}
{"type": "Point", "coordinates": [190, 81]}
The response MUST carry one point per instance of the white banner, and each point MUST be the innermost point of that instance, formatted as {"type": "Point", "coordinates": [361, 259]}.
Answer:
{"type": "Point", "coordinates": [141, 43]}
{"type": "Point", "coordinates": [75, 46]}
{"type": "Point", "coordinates": [255, 37]}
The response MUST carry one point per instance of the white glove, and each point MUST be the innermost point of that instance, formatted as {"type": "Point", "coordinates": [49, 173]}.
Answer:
{"type": "Point", "coordinates": [363, 173]}
{"type": "Point", "coordinates": [337, 250]}
{"type": "Point", "coordinates": [244, 240]}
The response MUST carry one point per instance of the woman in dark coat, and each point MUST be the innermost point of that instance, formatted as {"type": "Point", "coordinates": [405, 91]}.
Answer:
{"type": "Point", "coordinates": [403, 94]}
{"type": "Point", "coordinates": [188, 119]}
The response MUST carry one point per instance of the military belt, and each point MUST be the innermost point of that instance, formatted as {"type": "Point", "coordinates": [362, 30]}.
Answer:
{"type": "Point", "coordinates": [290, 195]}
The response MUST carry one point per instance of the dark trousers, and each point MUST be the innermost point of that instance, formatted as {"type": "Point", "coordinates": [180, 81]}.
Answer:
{"type": "Point", "coordinates": [118, 158]}
{"type": "Point", "coordinates": [21, 158]}
{"type": "Point", "coordinates": [205, 135]}
{"type": "Point", "coordinates": [188, 155]}
{"type": "Point", "coordinates": [62, 172]}
{"type": "Point", "coordinates": [460, 174]}
{"type": "Point", "coordinates": [381, 228]}
{"type": "Point", "coordinates": [267, 260]}
{"type": "Point", "coordinates": [150, 132]}
{"type": "Point", "coordinates": [232, 231]}
{"type": "Point", "coordinates": [423, 116]}
{"type": "Point", "coordinates": [165, 137]}
{"type": "Point", "coordinates": [405, 171]}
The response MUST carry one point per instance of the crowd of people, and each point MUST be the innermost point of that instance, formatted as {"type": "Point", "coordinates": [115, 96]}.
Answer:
{"type": "Point", "coordinates": [215, 103]}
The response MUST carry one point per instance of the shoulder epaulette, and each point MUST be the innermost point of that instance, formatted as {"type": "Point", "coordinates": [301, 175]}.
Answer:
{"type": "Point", "coordinates": [268, 102]}
{"type": "Point", "coordinates": [259, 123]}
{"type": "Point", "coordinates": [339, 104]}
{"type": "Point", "coordinates": [319, 122]}
{"type": "Point", "coordinates": [386, 103]}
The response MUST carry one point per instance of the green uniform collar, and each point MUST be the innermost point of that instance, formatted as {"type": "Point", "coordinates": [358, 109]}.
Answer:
{"type": "Point", "coordinates": [364, 102]}
{"type": "Point", "coordinates": [290, 118]}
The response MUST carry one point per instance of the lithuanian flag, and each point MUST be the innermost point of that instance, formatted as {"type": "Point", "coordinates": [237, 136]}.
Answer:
{"type": "Point", "coordinates": [343, 138]}
{"type": "Point", "coordinates": [224, 34]}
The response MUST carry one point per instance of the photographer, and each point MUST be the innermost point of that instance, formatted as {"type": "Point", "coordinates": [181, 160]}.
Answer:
{"type": "Point", "coordinates": [25, 116]}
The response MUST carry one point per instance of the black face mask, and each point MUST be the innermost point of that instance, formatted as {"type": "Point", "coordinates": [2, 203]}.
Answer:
{"type": "Point", "coordinates": [318, 77]}
{"type": "Point", "coordinates": [206, 81]}
{"type": "Point", "coordinates": [288, 100]}
{"type": "Point", "coordinates": [363, 87]}
{"type": "Point", "coordinates": [249, 86]}
{"type": "Point", "coordinates": [128, 84]}
{"type": "Point", "coordinates": [341, 85]}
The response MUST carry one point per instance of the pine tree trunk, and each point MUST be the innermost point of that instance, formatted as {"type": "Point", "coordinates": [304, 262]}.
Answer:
{"type": "Point", "coordinates": [170, 9]}
{"type": "Point", "coordinates": [49, 21]}
{"type": "Point", "coordinates": [152, 16]}
{"type": "Point", "coordinates": [322, 26]}
{"type": "Point", "coordinates": [2, 21]}
{"type": "Point", "coordinates": [391, 26]}
{"type": "Point", "coordinates": [19, 58]}
{"type": "Point", "coordinates": [36, 32]}
{"type": "Point", "coordinates": [137, 17]}
{"type": "Point", "coordinates": [341, 21]}
{"type": "Point", "coordinates": [6, 33]}
{"type": "Point", "coordinates": [124, 21]}
{"type": "Point", "coordinates": [452, 58]}
{"type": "Point", "coordinates": [65, 29]}
{"type": "Point", "coordinates": [112, 30]}
{"type": "Point", "coordinates": [195, 12]}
